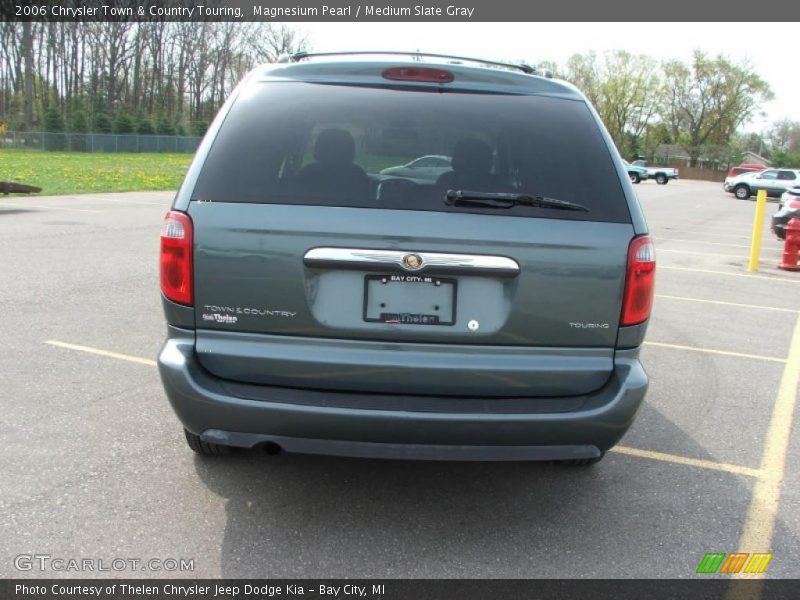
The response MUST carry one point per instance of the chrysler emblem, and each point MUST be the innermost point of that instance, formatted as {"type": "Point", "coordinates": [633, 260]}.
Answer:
{"type": "Point", "coordinates": [412, 261]}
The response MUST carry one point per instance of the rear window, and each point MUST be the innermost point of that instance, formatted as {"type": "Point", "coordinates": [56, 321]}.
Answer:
{"type": "Point", "coordinates": [319, 144]}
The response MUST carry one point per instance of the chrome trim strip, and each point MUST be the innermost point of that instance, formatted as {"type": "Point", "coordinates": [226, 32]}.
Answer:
{"type": "Point", "coordinates": [361, 258]}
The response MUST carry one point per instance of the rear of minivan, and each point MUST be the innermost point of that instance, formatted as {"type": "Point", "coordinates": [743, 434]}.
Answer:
{"type": "Point", "coordinates": [490, 307]}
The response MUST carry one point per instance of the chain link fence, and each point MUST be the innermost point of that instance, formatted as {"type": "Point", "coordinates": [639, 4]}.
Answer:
{"type": "Point", "coordinates": [98, 142]}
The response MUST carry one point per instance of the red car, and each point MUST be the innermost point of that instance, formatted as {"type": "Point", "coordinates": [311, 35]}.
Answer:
{"type": "Point", "coordinates": [738, 170]}
{"type": "Point", "coordinates": [744, 168]}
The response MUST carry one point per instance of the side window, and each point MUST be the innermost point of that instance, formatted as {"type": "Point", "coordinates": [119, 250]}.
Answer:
{"type": "Point", "coordinates": [424, 162]}
{"type": "Point", "coordinates": [786, 175]}
{"type": "Point", "coordinates": [769, 175]}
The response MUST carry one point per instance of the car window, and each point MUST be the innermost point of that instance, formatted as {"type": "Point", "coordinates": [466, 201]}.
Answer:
{"type": "Point", "coordinates": [786, 175]}
{"type": "Point", "coordinates": [315, 144]}
{"type": "Point", "coordinates": [424, 162]}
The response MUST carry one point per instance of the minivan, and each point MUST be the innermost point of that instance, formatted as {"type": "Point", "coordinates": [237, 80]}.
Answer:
{"type": "Point", "coordinates": [493, 310]}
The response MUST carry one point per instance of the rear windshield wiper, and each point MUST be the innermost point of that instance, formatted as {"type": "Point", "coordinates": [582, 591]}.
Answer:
{"type": "Point", "coordinates": [504, 200]}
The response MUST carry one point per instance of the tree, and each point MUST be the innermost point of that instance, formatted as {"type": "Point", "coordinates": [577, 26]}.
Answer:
{"type": "Point", "coordinates": [54, 125]}
{"type": "Point", "coordinates": [124, 124]}
{"type": "Point", "coordinates": [165, 126]}
{"type": "Point", "coordinates": [148, 68]}
{"type": "Point", "coordinates": [27, 51]}
{"type": "Point", "coordinates": [583, 71]}
{"type": "Point", "coordinates": [102, 123]}
{"type": "Point", "coordinates": [784, 136]}
{"type": "Point", "coordinates": [706, 102]}
{"type": "Point", "coordinates": [78, 123]}
{"type": "Point", "coordinates": [145, 126]}
{"type": "Point", "coordinates": [625, 89]}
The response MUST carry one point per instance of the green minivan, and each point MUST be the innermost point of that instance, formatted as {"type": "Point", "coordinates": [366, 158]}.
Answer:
{"type": "Point", "coordinates": [317, 305]}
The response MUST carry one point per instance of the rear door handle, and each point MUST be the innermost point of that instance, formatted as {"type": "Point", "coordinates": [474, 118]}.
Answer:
{"type": "Point", "coordinates": [408, 261]}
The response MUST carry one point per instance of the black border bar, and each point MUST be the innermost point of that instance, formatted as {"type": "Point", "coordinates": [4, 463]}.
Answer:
{"type": "Point", "coordinates": [634, 11]}
{"type": "Point", "coordinates": [698, 588]}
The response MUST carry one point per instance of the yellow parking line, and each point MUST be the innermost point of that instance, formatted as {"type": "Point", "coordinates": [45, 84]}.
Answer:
{"type": "Point", "coordinates": [118, 356]}
{"type": "Point", "coordinates": [663, 239]}
{"type": "Point", "coordinates": [685, 460]}
{"type": "Point", "coordinates": [729, 234]}
{"type": "Point", "coordinates": [759, 525]}
{"type": "Point", "coordinates": [712, 272]}
{"type": "Point", "coordinates": [649, 454]}
{"type": "Point", "coordinates": [714, 351]}
{"type": "Point", "coordinates": [42, 206]}
{"type": "Point", "coordinates": [696, 253]}
{"type": "Point", "coordinates": [723, 303]}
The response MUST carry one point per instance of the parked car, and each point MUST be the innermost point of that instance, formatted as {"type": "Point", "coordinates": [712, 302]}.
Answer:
{"type": "Point", "coordinates": [786, 211]}
{"type": "Point", "coordinates": [662, 175]}
{"type": "Point", "coordinates": [635, 173]}
{"type": "Point", "coordinates": [425, 169]}
{"type": "Point", "coordinates": [774, 181]}
{"type": "Point", "coordinates": [733, 172]}
{"type": "Point", "coordinates": [792, 193]}
{"type": "Point", "coordinates": [494, 314]}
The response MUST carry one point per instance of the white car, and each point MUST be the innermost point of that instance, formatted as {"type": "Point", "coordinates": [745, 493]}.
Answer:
{"type": "Point", "coordinates": [730, 182]}
{"type": "Point", "coordinates": [425, 169]}
{"type": "Point", "coordinates": [774, 181]}
{"type": "Point", "coordinates": [790, 194]}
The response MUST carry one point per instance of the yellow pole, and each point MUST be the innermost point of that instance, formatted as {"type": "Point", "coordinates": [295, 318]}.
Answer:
{"type": "Point", "coordinates": [758, 224]}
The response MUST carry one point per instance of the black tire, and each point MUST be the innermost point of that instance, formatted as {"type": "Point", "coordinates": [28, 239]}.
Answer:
{"type": "Point", "coordinates": [634, 177]}
{"type": "Point", "coordinates": [661, 179]}
{"type": "Point", "coordinates": [582, 462]}
{"type": "Point", "coordinates": [205, 448]}
{"type": "Point", "coordinates": [742, 191]}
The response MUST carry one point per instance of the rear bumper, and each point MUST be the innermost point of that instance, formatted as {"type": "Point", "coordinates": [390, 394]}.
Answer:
{"type": "Point", "coordinates": [396, 426]}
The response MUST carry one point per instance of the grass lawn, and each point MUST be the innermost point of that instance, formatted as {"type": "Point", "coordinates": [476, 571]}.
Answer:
{"type": "Point", "coordinates": [84, 172]}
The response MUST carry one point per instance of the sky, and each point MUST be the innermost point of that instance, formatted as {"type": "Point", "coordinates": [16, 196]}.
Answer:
{"type": "Point", "coordinates": [535, 42]}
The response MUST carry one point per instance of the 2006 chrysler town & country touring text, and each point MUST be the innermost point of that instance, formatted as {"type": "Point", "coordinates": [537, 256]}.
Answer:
{"type": "Point", "coordinates": [489, 306]}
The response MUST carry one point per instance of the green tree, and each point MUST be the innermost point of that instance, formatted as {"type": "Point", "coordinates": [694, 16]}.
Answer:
{"type": "Point", "coordinates": [199, 128]}
{"type": "Point", "coordinates": [79, 124]}
{"type": "Point", "coordinates": [124, 124]}
{"type": "Point", "coordinates": [624, 88]}
{"type": "Point", "coordinates": [102, 123]}
{"type": "Point", "coordinates": [165, 126]}
{"type": "Point", "coordinates": [583, 71]}
{"type": "Point", "coordinates": [54, 124]}
{"type": "Point", "coordinates": [784, 136]}
{"type": "Point", "coordinates": [707, 101]}
{"type": "Point", "coordinates": [145, 126]}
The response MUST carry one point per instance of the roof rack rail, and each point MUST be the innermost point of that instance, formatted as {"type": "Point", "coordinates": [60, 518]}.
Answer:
{"type": "Point", "coordinates": [298, 56]}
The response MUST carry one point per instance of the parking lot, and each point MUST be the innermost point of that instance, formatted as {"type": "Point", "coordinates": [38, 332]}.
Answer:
{"type": "Point", "coordinates": [96, 465]}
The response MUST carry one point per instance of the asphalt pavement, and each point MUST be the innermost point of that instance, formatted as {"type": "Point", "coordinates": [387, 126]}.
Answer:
{"type": "Point", "coordinates": [95, 465]}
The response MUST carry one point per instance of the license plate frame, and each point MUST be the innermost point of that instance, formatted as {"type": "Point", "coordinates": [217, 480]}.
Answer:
{"type": "Point", "coordinates": [409, 317]}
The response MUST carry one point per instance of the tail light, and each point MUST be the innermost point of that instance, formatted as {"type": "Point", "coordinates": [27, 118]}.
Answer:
{"type": "Point", "coordinates": [176, 257]}
{"type": "Point", "coordinates": [793, 204]}
{"type": "Point", "coordinates": [639, 281]}
{"type": "Point", "coordinates": [426, 74]}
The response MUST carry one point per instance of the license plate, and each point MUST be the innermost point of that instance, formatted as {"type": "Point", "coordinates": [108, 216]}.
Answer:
{"type": "Point", "coordinates": [409, 300]}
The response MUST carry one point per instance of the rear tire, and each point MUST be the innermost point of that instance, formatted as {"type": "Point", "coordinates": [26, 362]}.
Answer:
{"type": "Point", "coordinates": [742, 192]}
{"type": "Point", "coordinates": [634, 177]}
{"type": "Point", "coordinates": [205, 448]}
{"type": "Point", "coordinates": [582, 462]}
{"type": "Point", "coordinates": [661, 179]}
